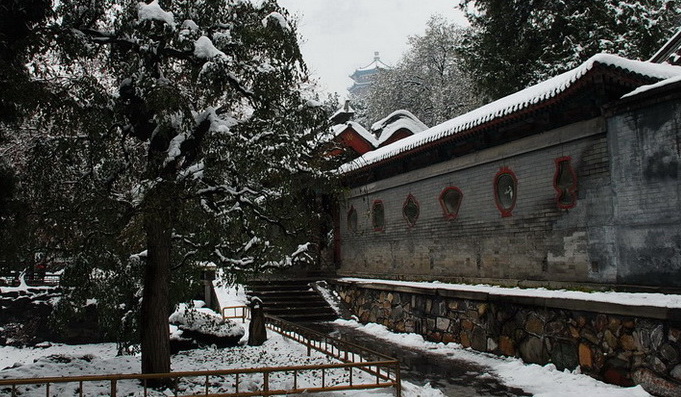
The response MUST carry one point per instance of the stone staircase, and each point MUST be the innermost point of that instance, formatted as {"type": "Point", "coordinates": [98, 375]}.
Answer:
{"type": "Point", "coordinates": [292, 299]}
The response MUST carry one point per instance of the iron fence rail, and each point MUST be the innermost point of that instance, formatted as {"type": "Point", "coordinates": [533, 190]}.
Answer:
{"type": "Point", "coordinates": [266, 390]}
{"type": "Point", "coordinates": [384, 370]}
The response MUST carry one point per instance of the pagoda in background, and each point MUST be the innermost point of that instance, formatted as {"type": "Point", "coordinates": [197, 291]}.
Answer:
{"type": "Point", "coordinates": [364, 77]}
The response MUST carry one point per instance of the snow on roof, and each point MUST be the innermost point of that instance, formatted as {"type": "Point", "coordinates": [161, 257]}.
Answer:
{"type": "Point", "coordinates": [649, 87]}
{"type": "Point", "coordinates": [395, 121]}
{"type": "Point", "coordinates": [401, 112]}
{"type": "Point", "coordinates": [345, 108]}
{"type": "Point", "coordinates": [510, 104]}
{"type": "Point", "coordinates": [337, 129]}
{"type": "Point", "coordinates": [154, 12]}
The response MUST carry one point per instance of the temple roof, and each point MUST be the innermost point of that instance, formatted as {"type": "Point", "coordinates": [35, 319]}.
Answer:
{"type": "Point", "coordinates": [374, 66]}
{"type": "Point", "coordinates": [532, 97]}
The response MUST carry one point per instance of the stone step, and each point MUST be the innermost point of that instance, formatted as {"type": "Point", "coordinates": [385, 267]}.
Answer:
{"type": "Point", "coordinates": [284, 311]}
{"type": "Point", "coordinates": [281, 287]}
{"type": "Point", "coordinates": [297, 318]}
{"type": "Point", "coordinates": [282, 294]}
{"type": "Point", "coordinates": [293, 300]}
{"type": "Point", "coordinates": [295, 303]}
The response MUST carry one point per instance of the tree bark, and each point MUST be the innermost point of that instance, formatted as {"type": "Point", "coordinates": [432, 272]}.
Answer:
{"type": "Point", "coordinates": [155, 334]}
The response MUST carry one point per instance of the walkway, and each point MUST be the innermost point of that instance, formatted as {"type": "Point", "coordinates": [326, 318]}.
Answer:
{"type": "Point", "coordinates": [454, 377]}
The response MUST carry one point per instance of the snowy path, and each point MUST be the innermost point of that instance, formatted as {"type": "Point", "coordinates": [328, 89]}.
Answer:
{"type": "Point", "coordinates": [536, 380]}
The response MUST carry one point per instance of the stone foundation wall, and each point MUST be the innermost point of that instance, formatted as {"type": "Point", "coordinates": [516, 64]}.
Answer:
{"type": "Point", "coordinates": [615, 343]}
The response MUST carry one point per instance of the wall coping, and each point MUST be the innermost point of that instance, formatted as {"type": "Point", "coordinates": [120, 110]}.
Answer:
{"type": "Point", "coordinates": [649, 305]}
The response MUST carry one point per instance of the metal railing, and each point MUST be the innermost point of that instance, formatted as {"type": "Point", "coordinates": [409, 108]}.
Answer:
{"type": "Point", "coordinates": [238, 379]}
{"type": "Point", "coordinates": [385, 368]}
{"type": "Point", "coordinates": [233, 312]}
{"type": "Point", "coordinates": [350, 374]}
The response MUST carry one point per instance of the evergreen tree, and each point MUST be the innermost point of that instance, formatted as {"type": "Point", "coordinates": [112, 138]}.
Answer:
{"type": "Point", "coordinates": [428, 80]}
{"type": "Point", "coordinates": [172, 134]}
{"type": "Point", "coordinates": [516, 43]}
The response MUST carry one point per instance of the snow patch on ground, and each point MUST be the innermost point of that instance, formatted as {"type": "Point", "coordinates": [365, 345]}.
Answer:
{"type": "Point", "coordinates": [541, 381]}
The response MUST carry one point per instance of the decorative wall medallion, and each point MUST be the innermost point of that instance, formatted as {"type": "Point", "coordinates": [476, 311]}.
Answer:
{"type": "Point", "coordinates": [505, 191]}
{"type": "Point", "coordinates": [378, 216]}
{"type": "Point", "coordinates": [450, 201]}
{"type": "Point", "coordinates": [352, 219]}
{"type": "Point", "coordinates": [410, 210]}
{"type": "Point", "coordinates": [565, 183]}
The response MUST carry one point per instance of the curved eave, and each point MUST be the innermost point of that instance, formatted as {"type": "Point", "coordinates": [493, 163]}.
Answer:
{"type": "Point", "coordinates": [597, 72]}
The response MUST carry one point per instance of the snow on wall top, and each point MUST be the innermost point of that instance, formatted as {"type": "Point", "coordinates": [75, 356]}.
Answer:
{"type": "Point", "coordinates": [507, 105]}
{"type": "Point", "coordinates": [395, 121]}
{"type": "Point", "coordinates": [649, 87]}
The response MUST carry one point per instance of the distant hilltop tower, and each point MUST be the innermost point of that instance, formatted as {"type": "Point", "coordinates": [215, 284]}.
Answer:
{"type": "Point", "coordinates": [363, 77]}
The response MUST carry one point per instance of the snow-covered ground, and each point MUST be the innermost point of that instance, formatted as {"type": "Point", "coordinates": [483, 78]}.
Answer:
{"type": "Point", "coordinates": [61, 360]}
{"type": "Point", "coordinates": [96, 359]}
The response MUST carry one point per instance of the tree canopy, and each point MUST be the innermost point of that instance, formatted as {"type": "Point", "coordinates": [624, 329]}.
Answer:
{"type": "Point", "coordinates": [428, 80]}
{"type": "Point", "coordinates": [165, 136]}
{"type": "Point", "coordinates": [516, 43]}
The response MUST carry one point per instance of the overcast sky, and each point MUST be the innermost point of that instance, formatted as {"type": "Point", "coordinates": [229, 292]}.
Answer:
{"type": "Point", "coordinates": [339, 36]}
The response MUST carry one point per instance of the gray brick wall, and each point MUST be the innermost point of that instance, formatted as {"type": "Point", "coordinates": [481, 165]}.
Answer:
{"type": "Point", "coordinates": [647, 195]}
{"type": "Point", "coordinates": [625, 227]}
{"type": "Point", "coordinates": [538, 242]}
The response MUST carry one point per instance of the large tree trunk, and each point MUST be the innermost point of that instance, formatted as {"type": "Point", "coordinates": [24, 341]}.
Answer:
{"type": "Point", "coordinates": [155, 335]}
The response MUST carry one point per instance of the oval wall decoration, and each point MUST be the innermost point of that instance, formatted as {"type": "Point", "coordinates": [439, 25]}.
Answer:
{"type": "Point", "coordinates": [411, 210]}
{"type": "Point", "coordinates": [450, 201]}
{"type": "Point", "coordinates": [565, 183]}
{"type": "Point", "coordinates": [352, 219]}
{"type": "Point", "coordinates": [505, 191]}
{"type": "Point", "coordinates": [378, 216]}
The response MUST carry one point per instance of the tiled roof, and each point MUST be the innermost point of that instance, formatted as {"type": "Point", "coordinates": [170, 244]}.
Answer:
{"type": "Point", "coordinates": [510, 104]}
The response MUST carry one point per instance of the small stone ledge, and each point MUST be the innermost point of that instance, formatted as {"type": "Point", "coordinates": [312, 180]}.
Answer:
{"type": "Point", "coordinates": [651, 312]}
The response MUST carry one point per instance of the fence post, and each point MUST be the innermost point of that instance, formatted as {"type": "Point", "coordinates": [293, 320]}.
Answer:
{"type": "Point", "coordinates": [266, 382]}
{"type": "Point", "coordinates": [113, 387]}
{"type": "Point", "coordinates": [398, 380]}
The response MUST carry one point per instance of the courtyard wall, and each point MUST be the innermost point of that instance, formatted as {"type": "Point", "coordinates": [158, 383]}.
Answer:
{"type": "Point", "coordinates": [617, 343]}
